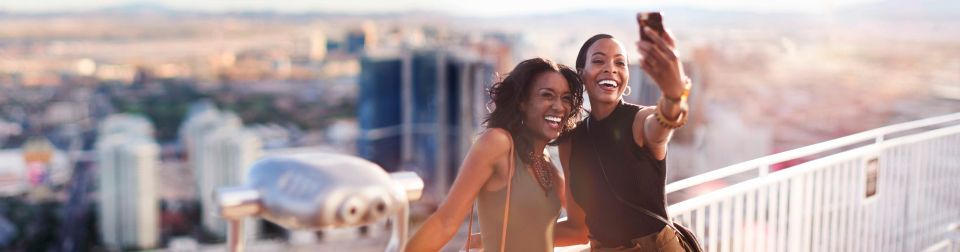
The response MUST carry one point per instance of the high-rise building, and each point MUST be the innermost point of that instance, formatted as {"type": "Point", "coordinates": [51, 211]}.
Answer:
{"type": "Point", "coordinates": [420, 110]}
{"type": "Point", "coordinates": [356, 40]}
{"type": "Point", "coordinates": [362, 39]}
{"type": "Point", "coordinates": [231, 151]}
{"type": "Point", "coordinates": [219, 150]}
{"type": "Point", "coordinates": [318, 46]}
{"type": "Point", "coordinates": [643, 90]}
{"type": "Point", "coordinates": [128, 157]}
{"type": "Point", "coordinates": [646, 92]}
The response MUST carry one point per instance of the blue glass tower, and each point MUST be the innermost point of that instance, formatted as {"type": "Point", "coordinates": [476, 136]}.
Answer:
{"type": "Point", "coordinates": [420, 110]}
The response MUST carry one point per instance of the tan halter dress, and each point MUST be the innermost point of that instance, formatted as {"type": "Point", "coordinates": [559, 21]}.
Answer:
{"type": "Point", "coordinates": [532, 214]}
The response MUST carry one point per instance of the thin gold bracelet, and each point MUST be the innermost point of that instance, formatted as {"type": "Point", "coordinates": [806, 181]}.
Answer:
{"type": "Point", "coordinates": [688, 84]}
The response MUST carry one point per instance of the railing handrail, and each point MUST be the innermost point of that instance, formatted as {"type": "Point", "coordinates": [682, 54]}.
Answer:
{"type": "Point", "coordinates": [718, 195]}
{"type": "Point", "coordinates": [766, 161]}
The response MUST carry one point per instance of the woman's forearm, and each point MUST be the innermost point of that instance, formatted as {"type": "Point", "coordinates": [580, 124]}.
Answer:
{"type": "Point", "coordinates": [432, 235]}
{"type": "Point", "coordinates": [655, 133]}
{"type": "Point", "coordinates": [565, 234]}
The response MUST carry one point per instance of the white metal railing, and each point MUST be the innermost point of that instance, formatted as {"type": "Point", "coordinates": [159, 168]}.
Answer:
{"type": "Point", "coordinates": [821, 205]}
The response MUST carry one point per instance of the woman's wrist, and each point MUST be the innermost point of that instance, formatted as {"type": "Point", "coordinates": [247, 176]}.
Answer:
{"type": "Point", "coordinates": [671, 110]}
{"type": "Point", "coordinates": [677, 96]}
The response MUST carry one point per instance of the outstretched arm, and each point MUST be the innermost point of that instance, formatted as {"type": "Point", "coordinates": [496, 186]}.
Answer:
{"type": "Point", "coordinates": [662, 62]}
{"type": "Point", "coordinates": [491, 149]}
{"type": "Point", "coordinates": [573, 230]}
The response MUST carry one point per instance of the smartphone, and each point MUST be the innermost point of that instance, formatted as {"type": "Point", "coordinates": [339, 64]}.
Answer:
{"type": "Point", "coordinates": [654, 20]}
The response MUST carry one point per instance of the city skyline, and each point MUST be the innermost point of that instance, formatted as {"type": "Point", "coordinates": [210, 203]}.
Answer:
{"type": "Point", "coordinates": [207, 88]}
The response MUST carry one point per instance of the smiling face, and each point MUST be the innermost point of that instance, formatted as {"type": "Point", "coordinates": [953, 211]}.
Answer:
{"type": "Point", "coordinates": [546, 105]}
{"type": "Point", "coordinates": [605, 73]}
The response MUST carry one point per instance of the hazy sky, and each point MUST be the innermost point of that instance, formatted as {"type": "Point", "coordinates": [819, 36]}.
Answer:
{"type": "Point", "coordinates": [459, 7]}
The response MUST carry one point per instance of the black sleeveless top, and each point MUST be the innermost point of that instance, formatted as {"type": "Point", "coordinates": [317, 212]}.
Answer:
{"type": "Point", "coordinates": [635, 174]}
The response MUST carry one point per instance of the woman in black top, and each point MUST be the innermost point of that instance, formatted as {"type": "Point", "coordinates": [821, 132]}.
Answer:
{"type": "Point", "coordinates": [622, 147]}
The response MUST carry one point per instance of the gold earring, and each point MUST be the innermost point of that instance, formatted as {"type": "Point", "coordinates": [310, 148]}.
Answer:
{"type": "Point", "coordinates": [627, 91]}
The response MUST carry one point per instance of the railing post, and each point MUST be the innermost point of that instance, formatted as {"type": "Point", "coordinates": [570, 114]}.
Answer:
{"type": "Point", "coordinates": [764, 171]}
{"type": "Point", "coordinates": [236, 238]}
{"type": "Point", "coordinates": [796, 213]}
{"type": "Point", "coordinates": [915, 168]}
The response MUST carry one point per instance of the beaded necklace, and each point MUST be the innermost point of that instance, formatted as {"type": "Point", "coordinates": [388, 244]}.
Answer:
{"type": "Point", "coordinates": [541, 170]}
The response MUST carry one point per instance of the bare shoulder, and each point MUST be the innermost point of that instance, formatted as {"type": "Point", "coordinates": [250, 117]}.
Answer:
{"type": "Point", "coordinates": [638, 123]}
{"type": "Point", "coordinates": [492, 151]}
{"type": "Point", "coordinates": [494, 145]}
{"type": "Point", "coordinates": [494, 138]}
{"type": "Point", "coordinates": [645, 112]}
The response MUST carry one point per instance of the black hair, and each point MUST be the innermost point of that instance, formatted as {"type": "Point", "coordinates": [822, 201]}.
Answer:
{"type": "Point", "coordinates": [582, 56]}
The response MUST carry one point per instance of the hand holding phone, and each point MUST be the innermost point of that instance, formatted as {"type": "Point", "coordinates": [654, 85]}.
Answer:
{"type": "Point", "coordinates": [659, 58]}
{"type": "Point", "coordinates": [654, 20]}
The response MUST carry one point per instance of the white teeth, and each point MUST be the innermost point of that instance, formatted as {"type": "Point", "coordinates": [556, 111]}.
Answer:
{"type": "Point", "coordinates": [608, 82]}
{"type": "Point", "coordinates": [552, 119]}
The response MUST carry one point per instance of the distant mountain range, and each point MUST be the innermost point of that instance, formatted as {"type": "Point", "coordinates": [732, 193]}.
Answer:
{"type": "Point", "coordinates": [939, 10]}
{"type": "Point", "coordinates": [908, 8]}
{"type": "Point", "coordinates": [900, 8]}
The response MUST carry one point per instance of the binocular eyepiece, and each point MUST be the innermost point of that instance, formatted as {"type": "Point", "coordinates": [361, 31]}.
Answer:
{"type": "Point", "coordinates": [321, 191]}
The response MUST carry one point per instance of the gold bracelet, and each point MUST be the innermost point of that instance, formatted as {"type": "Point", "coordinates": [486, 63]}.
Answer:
{"type": "Point", "coordinates": [688, 84]}
{"type": "Point", "coordinates": [671, 124]}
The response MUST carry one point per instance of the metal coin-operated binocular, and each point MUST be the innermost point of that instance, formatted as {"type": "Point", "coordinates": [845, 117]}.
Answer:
{"type": "Point", "coordinates": [320, 191]}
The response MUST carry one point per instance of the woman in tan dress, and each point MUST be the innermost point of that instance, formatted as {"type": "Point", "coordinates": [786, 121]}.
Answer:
{"type": "Point", "coordinates": [534, 105]}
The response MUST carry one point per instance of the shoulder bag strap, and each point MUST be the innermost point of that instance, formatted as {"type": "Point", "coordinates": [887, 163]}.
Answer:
{"type": "Point", "coordinates": [506, 208]}
{"type": "Point", "coordinates": [470, 227]}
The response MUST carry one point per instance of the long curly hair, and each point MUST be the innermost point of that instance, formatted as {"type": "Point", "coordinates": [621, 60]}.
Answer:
{"type": "Point", "coordinates": [507, 95]}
